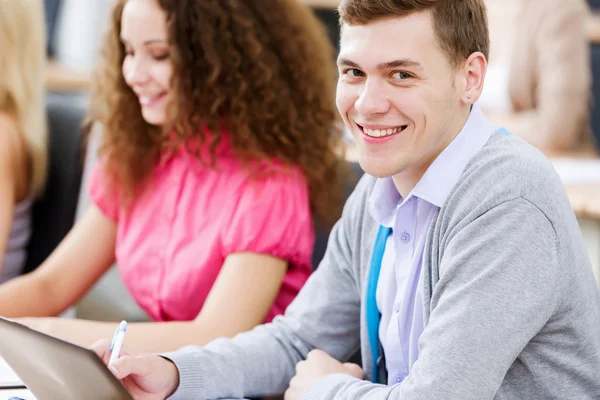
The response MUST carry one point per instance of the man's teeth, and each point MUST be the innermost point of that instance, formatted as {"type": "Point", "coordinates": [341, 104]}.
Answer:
{"type": "Point", "coordinates": [382, 132]}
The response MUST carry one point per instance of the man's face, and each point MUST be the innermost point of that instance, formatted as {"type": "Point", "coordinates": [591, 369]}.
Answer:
{"type": "Point", "coordinates": [397, 94]}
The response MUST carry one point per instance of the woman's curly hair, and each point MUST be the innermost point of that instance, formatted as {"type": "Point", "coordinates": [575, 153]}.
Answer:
{"type": "Point", "coordinates": [264, 68]}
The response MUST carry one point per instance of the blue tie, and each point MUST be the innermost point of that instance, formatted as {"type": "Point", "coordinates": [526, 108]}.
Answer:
{"type": "Point", "coordinates": [372, 312]}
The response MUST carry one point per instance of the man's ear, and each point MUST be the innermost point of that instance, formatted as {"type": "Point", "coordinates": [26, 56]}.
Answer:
{"type": "Point", "coordinates": [474, 70]}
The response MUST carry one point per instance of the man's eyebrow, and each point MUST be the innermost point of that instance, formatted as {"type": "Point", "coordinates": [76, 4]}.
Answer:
{"type": "Point", "coordinates": [401, 63]}
{"type": "Point", "coordinates": [347, 63]}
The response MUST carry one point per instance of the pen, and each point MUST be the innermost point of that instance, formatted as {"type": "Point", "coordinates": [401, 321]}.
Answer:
{"type": "Point", "coordinates": [117, 342]}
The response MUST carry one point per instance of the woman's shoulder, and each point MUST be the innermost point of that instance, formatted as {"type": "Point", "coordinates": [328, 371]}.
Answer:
{"type": "Point", "coordinates": [13, 155]}
{"type": "Point", "coordinates": [271, 175]}
{"type": "Point", "coordinates": [559, 9]}
{"type": "Point", "coordinates": [9, 131]}
{"type": "Point", "coordinates": [226, 166]}
{"type": "Point", "coordinates": [275, 190]}
{"type": "Point", "coordinates": [270, 213]}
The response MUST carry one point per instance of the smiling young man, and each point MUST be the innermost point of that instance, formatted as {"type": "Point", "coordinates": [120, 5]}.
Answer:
{"type": "Point", "coordinates": [457, 268]}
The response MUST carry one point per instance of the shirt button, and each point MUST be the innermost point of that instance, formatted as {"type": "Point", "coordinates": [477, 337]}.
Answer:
{"type": "Point", "coordinates": [398, 378]}
{"type": "Point", "coordinates": [396, 307]}
{"type": "Point", "coordinates": [405, 237]}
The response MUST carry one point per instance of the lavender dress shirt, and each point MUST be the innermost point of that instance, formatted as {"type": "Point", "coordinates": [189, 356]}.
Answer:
{"type": "Point", "coordinates": [399, 289]}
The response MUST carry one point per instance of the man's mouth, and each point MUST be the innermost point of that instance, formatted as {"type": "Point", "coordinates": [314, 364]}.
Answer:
{"type": "Point", "coordinates": [382, 132]}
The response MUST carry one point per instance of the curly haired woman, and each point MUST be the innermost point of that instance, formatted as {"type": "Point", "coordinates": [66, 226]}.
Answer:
{"type": "Point", "coordinates": [219, 148]}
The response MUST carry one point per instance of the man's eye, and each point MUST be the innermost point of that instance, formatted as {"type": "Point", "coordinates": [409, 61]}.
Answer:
{"type": "Point", "coordinates": [401, 75]}
{"type": "Point", "coordinates": [353, 72]}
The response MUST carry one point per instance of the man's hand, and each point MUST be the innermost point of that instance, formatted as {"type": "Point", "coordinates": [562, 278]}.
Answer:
{"type": "Point", "coordinates": [146, 377]}
{"type": "Point", "coordinates": [318, 365]}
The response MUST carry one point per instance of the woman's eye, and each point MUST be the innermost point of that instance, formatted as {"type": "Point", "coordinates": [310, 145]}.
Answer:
{"type": "Point", "coordinates": [160, 57]}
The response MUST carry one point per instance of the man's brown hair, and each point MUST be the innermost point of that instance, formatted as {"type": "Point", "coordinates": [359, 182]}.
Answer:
{"type": "Point", "coordinates": [460, 25]}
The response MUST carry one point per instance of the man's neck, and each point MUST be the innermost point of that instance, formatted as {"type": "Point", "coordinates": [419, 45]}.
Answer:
{"type": "Point", "coordinates": [406, 180]}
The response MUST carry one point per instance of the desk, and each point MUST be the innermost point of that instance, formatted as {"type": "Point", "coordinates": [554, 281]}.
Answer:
{"type": "Point", "coordinates": [62, 79]}
{"type": "Point", "coordinates": [585, 200]}
{"type": "Point", "coordinates": [6, 394]}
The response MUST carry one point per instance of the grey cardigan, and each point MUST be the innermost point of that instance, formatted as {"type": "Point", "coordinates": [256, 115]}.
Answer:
{"type": "Point", "coordinates": [512, 310]}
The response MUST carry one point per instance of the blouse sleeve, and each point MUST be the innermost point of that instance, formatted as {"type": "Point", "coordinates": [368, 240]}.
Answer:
{"type": "Point", "coordinates": [271, 216]}
{"type": "Point", "coordinates": [105, 199]}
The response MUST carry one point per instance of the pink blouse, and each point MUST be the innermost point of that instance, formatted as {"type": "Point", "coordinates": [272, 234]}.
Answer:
{"type": "Point", "coordinates": [174, 238]}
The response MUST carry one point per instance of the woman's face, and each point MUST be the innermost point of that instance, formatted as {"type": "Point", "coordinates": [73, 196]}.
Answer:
{"type": "Point", "coordinates": [147, 67]}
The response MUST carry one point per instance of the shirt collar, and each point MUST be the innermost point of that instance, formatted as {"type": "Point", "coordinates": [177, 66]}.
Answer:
{"type": "Point", "coordinates": [383, 201]}
{"type": "Point", "coordinates": [444, 172]}
{"type": "Point", "coordinates": [441, 176]}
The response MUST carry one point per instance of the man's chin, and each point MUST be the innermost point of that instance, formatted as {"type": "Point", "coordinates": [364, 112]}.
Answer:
{"type": "Point", "coordinates": [380, 168]}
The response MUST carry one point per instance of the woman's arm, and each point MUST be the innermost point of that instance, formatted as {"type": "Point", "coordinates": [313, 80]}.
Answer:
{"type": "Point", "coordinates": [239, 300]}
{"type": "Point", "coordinates": [73, 267]}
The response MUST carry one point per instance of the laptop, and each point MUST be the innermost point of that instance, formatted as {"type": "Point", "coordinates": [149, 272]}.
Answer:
{"type": "Point", "coordinates": [54, 369]}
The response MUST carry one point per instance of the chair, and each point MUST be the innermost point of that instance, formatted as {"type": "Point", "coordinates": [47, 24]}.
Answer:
{"type": "Point", "coordinates": [322, 235]}
{"type": "Point", "coordinates": [54, 212]}
{"type": "Point", "coordinates": [51, 11]}
{"type": "Point", "coordinates": [594, 4]}
{"type": "Point", "coordinates": [329, 19]}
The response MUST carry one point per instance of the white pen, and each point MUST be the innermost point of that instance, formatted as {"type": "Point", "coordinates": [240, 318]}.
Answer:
{"type": "Point", "coordinates": [117, 342]}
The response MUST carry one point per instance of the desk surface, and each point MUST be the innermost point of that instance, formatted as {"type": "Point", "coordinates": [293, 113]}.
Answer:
{"type": "Point", "coordinates": [62, 79]}
{"type": "Point", "coordinates": [6, 394]}
{"type": "Point", "coordinates": [585, 198]}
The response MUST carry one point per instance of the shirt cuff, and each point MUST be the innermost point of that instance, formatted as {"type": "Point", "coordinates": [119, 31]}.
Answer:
{"type": "Point", "coordinates": [325, 388]}
{"type": "Point", "coordinates": [191, 382]}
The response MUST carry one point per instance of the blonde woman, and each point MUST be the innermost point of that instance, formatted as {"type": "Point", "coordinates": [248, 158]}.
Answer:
{"type": "Point", "coordinates": [23, 132]}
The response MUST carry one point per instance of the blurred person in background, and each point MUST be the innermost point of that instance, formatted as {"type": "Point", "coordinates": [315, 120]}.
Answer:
{"type": "Point", "coordinates": [538, 83]}
{"type": "Point", "coordinates": [23, 127]}
{"type": "Point", "coordinates": [219, 147]}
